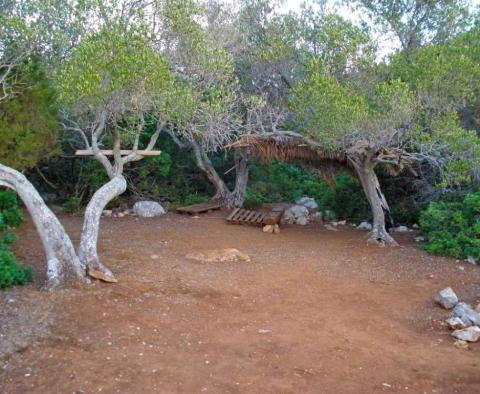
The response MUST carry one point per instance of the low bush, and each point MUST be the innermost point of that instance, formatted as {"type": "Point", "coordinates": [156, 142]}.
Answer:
{"type": "Point", "coordinates": [11, 273]}
{"type": "Point", "coordinates": [453, 227]}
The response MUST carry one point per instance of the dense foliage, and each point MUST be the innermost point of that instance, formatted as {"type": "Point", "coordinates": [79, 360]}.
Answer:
{"type": "Point", "coordinates": [11, 273]}
{"type": "Point", "coordinates": [453, 227]}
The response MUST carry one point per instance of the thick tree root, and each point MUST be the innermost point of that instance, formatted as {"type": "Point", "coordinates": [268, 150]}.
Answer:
{"type": "Point", "coordinates": [380, 237]}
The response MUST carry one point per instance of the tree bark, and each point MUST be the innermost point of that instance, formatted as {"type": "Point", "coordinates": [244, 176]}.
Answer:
{"type": "Point", "coordinates": [378, 204]}
{"type": "Point", "coordinates": [62, 262]}
{"type": "Point", "coordinates": [241, 178]}
{"type": "Point", "coordinates": [87, 251]}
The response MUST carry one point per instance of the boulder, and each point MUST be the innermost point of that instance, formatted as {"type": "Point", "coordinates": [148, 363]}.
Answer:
{"type": "Point", "coordinates": [469, 334]}
{"type": "Point", "coordinates": [297, 214]}
{"type": "Point", "coordinates": [308, 203]}
{"type": "Point", "coordinates": [218, 256]}
{"type": "Point", "coordinates": [148, 209]}
{"type": "Point", "coordinates": [447, 298]}
{"type": "Point", "coordinates": [365, 226]}
{"type": "Point", "coordinates": [466, 313]}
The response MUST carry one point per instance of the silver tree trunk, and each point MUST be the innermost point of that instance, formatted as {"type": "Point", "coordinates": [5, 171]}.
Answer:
{"type": "Point", "coordinates": [87, 251]}
{"type": "Point", "coordinates": [378, 204]}
{"type": "Point", "coordinates": [62, 262]}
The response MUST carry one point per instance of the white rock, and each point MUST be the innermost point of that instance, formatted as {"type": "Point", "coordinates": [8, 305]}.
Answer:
{"type": "Point", "coordinates": [268, 229]}
{"type": "Point", "coordinates": [307, 202]}
{"type": "Point", "coordinates": [339, 223]}
{"type": "Point", "coordinates": [148, 209]}
{"type": "Point", "coordinates": [330, 228]}
{"type": "Point", "coordinates": [415, 226]}
{"type": "Point", "coordinates": [455, 323]}
{"type": "Point", "coordinates": [471, 260]}
{"type": "Point", "coordinates": [469, 334]}
{"type": "Point", "coordinates": [365, 226]}
{"type": "Point", "coordinates": [447, 298]}
{"type": "Point", "coordinates": [297, 214]}
{"type": "Point", "coordinates": [302, 221]}
{"type": "Point", "coordinates": [107, 213]}
{"type": "Point", "coordinates": [420, 239]}
{"type": "Point", "coordinates": [401, 229]}
{"type": "Point", "coordinates": [466, 313]}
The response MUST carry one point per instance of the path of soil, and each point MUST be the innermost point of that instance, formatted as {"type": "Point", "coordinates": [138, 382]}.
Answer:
{"type": "Point", "coordinates": [316, 311]}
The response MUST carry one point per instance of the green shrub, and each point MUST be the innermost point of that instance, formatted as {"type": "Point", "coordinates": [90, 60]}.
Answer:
{"type": "Point", "coordinates": [279, 181]}
{"type": "Point", "coordinates": [453, 228]}
{"type": "Point", "coordinates": [73, 204]}
{"type": "Point", "coordinates": [11, 273]}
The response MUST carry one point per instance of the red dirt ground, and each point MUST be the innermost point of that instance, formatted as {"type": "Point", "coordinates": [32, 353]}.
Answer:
{"type": "Point", "coordinates": [316, 311]}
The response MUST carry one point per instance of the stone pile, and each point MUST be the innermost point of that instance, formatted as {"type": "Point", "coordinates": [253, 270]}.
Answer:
{"type": "Point", "coordinates": [142, 209]}
{"type": "Point", "coordinates": [463, 320]}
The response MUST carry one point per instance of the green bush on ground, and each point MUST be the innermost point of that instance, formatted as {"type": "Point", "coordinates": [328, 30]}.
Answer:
{"type": "Point", "coordinates": [453, 227]}
{"type": "Point", "coordinates": [11, 273]}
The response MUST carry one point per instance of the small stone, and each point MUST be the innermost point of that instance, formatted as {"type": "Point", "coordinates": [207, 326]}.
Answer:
{"type": "Point", "coordinates": [330, 228]}
{"type": "Point", "coordinates": [447, 298]}
{"type": "Point", "coordinates": [339, 223]}
{"type": "Point", "coordinates": [120, 215]}
{"type": "Point", "coordinates": [107, 213]}
{"type": "Point", "coordinates": [460, 344]}
{"type": "Point", "coordinates": [276, 229]}
{"type": "Point", "coordinates": [415, 226]}
{"type": "Point", "coordinates": [466, 313]}
{"type": "Point", "coordinates": [101, 275]}
{"type": "Point", "coordinates": [154, 256]}
{"type": "Point", "coordinates": [469, 334]}
{"type": "Point", "coordinates": [455, 323]}
{"type": "Point", "coordinates": [401, 229]}
{"type": "Point", "coordinates": [471, 260]}
{"type": "Point", "coordinates": [262, 331]}
{"type": "Point", "coordinates": [365, 226]}
{"type": "Point", "coordinates": [268, 229]}
{"type": "Point", "coordinates": [461, 268]}
{"type": "Point", "coordinates": [419, 239]}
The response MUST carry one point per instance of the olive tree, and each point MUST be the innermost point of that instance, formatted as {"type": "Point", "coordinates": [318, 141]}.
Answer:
{"type": "Point", "coordinates": [111, 86]}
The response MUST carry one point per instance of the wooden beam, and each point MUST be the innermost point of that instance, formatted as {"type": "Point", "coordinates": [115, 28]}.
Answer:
{"type": "Point", "coordinates": [89, 152]}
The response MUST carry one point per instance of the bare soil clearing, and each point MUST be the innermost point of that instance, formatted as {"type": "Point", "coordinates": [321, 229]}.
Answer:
{"type": "Point", "coordinates": [315, 311]}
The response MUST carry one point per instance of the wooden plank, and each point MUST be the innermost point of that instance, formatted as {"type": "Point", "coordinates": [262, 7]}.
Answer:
{"type": "Point", "coordinates": [109, 152]}
{"type": "Point", "coordinates": [232, 214]}
{"type": "Point", "coordinates": [199, 208]}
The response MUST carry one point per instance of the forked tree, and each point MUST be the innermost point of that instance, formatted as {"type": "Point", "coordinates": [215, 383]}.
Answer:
{"type": "Point", "coordinates": [108, 103]}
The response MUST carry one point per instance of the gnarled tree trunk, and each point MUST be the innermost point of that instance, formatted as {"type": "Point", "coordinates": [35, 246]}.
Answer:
{"type": "Point", "coordinates": [241, 178]}
{"type": "Point", "coordinates": [378, 204]}
{"type": "Point", "coordinates": [62, 262]}
{"type": "Point", "coordinates": [87, 251]}
{"type": "Point", "coordinates": [223, 194]}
